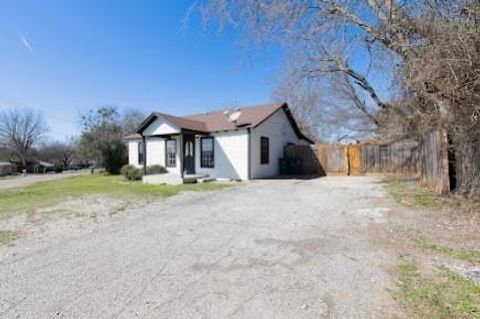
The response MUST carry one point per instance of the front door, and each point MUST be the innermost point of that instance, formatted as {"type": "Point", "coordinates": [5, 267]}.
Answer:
{"type": "Point", "coordinates": [189, 154]}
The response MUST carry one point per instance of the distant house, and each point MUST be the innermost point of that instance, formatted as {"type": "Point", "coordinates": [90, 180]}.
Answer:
{"type": "Point", "coordinates": [240, 144]}
{"type": "Point", "coordinates": [33, 165]}
{"type": "Point", "coordinates": [5, 168]}
{"type": "Point", "coordinates": [348, 140]}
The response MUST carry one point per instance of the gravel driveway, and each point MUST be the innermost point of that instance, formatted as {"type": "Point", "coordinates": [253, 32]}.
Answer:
{"type": "Point", "coordinates": [267, 249]}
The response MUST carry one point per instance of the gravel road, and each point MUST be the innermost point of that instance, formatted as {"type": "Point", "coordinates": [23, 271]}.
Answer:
{"type": "Point", "coordinates": [22, 181]}
{"type": "Point", "coordinates": [267, 249]}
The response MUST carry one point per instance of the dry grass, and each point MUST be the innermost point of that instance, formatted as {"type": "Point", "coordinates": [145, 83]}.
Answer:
{"type": "Point", "coordinates": [29, 198]}
{"type": "Point", "coordinates": [434, 225]}
{"type": "Point", "coordinates": [7, 236]}
{"type": "Point", "coordinates": [472, 256]}
{"type": "Point", "coordinates": [412, 193]}
{"type": "Point", "coordinates": [444, 294]}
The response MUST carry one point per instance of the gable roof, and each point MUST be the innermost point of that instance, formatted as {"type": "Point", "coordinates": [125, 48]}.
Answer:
{"type": "Point", "coordinates": [249, 117]}
{"type": "Point", "coordinates": [177, 121]}
{"type": "Point", "coordinates": [217, 121]}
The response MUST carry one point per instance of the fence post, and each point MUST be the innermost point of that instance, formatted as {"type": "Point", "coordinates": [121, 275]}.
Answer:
{"type": "Point", "coordinates": [444, 186]}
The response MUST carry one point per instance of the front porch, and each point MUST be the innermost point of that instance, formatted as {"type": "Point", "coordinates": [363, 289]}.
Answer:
{"type": "Point", "coordinates": [179, 138]}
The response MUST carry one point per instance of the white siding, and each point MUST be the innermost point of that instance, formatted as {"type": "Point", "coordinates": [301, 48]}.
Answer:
{"type": "Point", "coordinates": [160, 127]}
{"type": "Point", "coordinates": [155, 151]}
{"type": "Point", "coordinates": [231, 155]}
{"type": "Point", "coordinates": [133, 152]}
{"type": "Point", "coordinates": [279, 132]}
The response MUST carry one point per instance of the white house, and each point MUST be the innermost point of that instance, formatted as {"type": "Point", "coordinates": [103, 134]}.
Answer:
{"type": "Point", "coordinates": [240, 144]}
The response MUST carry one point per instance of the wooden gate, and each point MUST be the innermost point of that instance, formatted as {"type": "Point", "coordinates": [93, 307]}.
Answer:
{"type": "Point", "coordinates": [354, 162]}
{"type": "Point", "coordinates": [332, 159]}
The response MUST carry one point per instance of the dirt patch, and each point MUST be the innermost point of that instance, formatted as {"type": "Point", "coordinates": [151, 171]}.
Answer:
{"type": "Point", "coordinates": [22, 181]}
{"type": "Point", "coordinates": [70, 218]}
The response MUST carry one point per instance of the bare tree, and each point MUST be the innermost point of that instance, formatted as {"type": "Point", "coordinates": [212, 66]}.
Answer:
{"type": "Point", "coordinates": [304, 101]}
{"type": "Point", "coordinates": [429, 47]}
{"type": "Point", "coordinates": [320, 29]}
{"type": "Point", "coordinates": [58, 152]}
{"type": "Point", "coordinates": [327, 106]}
{"type": "Point", "coordinates": [326, 35]}
{"type": "Point", "coordinates": [20, 131]}
{"type": "Point", "coordinates": [131, 121]}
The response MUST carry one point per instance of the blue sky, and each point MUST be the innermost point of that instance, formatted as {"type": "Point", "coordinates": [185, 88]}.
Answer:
{"type": "Point", "coordinates": [65, 56]}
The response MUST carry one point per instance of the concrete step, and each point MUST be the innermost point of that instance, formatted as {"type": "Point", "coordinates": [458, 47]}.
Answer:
{"type": "Point", "coordinates": [206, 179]}
{"type": "Point", "coordinates": [193, 178]}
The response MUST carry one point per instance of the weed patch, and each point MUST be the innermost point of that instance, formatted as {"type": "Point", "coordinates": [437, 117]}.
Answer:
{"type": "Point", "coordinates": [445, 295]}
{"type": "Point", "coordinates": [7, 236]}
{"type": "Point", "coordinates": [412, 193]}
{"type": "Point", "coordinates": [465, 255]}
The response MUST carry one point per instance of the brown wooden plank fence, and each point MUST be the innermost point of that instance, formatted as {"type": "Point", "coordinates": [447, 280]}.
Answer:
{"type": "Point", "coordinates": [332, 158]}
{"type": "Point", "coordinates": [425, 157]}
{"type": "Point", "coordinates": [399, 157]}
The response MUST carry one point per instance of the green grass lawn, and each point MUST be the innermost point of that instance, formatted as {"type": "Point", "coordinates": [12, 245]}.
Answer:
{"type": "Point", "coordinates": [27, 199]}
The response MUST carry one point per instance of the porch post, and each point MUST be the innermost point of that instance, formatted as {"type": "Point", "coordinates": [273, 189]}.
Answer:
{"type": "Point", "coordinates": [144, 155]}
{"type": "Point", "coordinates": [182, 151]}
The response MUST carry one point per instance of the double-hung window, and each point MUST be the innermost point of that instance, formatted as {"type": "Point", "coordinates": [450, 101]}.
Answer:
{"type": "Point", "coordinates": [171, 153]}
{"type": "Point", "coordinates": [141, 153]}
{"type": "Point", "coordinates": [207, 152]}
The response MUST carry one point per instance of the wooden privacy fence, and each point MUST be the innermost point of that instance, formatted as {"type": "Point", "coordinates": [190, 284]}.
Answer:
{"type": "Point", "coordinates": [300, 160]}
{"type": "Point", "coordinates": [433, 164]}
{"type": "Point", "coordinates": [426, 157]}
{"type": "Point", "coordinates": [399, 157]}
{"type": "Point", "coordinates": [332, 159]}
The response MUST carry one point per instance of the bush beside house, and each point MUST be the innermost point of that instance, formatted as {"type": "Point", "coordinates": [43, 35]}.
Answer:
{"type": "Point", "coordinates": [133, 173]}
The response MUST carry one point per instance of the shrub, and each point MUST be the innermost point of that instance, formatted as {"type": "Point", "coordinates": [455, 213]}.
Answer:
{"type": "Point", "coordinates": [58, 168]}
{"type": "Point", "coordinates": [131, 172]}
{"type": "Point", "coordinates": [114, 156]}
{"type": "Point", "coordinates": [136, 174]}
{"type": "Point", "coordinates": [156, 169]}
{"type": "Point", "coordinates": [125, 169]}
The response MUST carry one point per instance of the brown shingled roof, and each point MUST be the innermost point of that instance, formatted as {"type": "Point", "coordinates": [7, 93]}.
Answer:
{"type": "Point", "coordinates": [133, 137]}
{"type": "Point", "coordinates": [183, 122]}
{"type": "Point", "coordinates": [249, 117]}
{"type": "Point", "coordinates": [218, 121]}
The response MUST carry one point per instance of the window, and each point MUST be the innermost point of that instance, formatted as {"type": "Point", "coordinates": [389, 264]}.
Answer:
{"type": "Point", "coordinates": [207, 148]}
{"type": "Point", "coordinates": [264, 150]}
{"type": "Point", "coordinates": [171, 153]}
{"type": "Point", "coordinates": [141, 154]}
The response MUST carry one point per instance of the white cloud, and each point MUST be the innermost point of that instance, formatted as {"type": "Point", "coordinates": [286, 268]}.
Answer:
{"type": "Point", "coordinates": [23, 39]}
